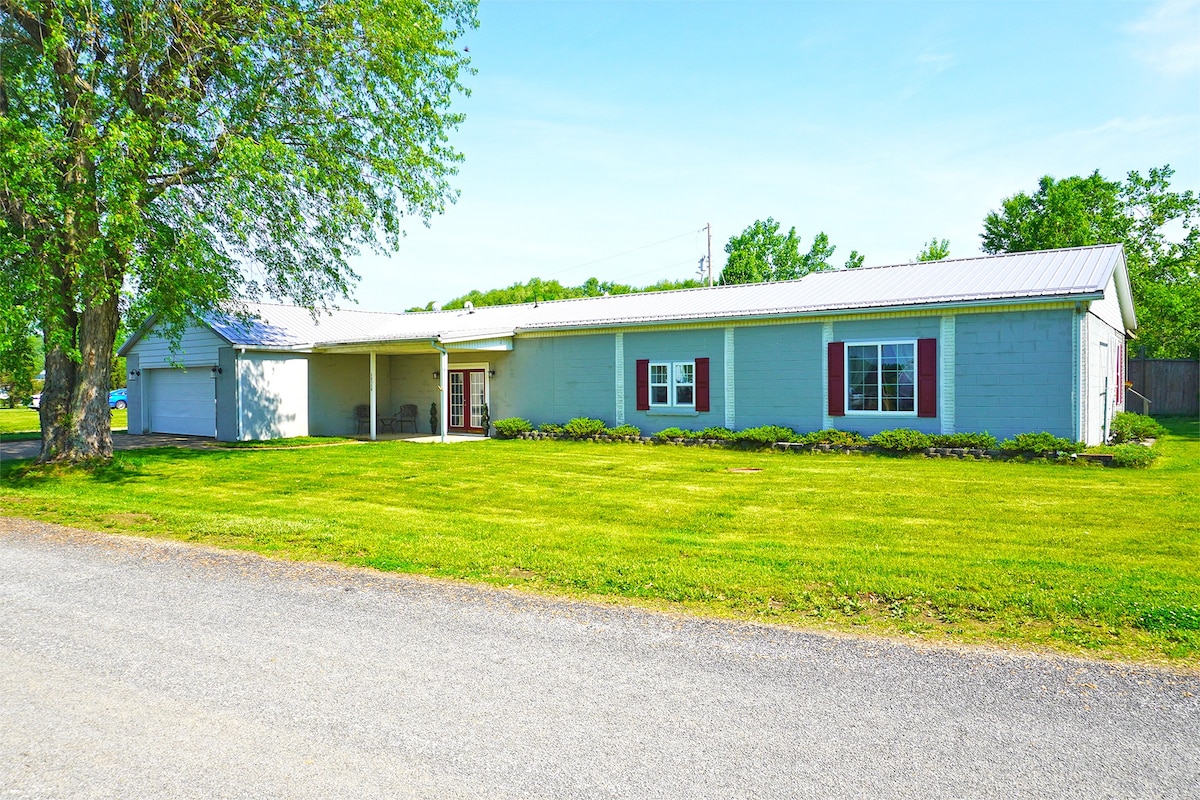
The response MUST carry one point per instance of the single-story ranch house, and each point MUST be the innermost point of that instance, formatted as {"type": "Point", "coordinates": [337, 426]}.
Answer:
{"type": "Point", "coordinates": [1005, 344]}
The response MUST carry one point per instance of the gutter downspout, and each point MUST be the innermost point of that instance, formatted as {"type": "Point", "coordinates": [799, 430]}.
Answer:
{"type": "Point", "coordinates": [237, 378]}
{"type": "Point", "coordinates": [443, 367]}
{"type": "Point", "coordinates": [374, 404]}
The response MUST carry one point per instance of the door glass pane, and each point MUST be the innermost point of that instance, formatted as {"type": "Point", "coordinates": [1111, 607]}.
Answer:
{"type": "Point", "coordinates": [476, 399]}
{"type": "Point", "coordinates": [456, 399]}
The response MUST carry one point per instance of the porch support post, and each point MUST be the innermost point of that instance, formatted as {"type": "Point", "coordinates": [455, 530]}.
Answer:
{"type": "Point", "coordinates": [374, 404]}
{"type": "Point", "coordinates": [445, 382]}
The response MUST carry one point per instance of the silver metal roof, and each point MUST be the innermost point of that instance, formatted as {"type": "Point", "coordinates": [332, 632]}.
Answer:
{"type": "Point", "coordinates": [1078, 273]}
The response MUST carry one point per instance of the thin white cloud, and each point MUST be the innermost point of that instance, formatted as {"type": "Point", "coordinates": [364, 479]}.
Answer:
{"type": "Point", "coordinates": [1168, 37]}
{"type": "Point", "coordinates": [1122, 125]}
{"type": "Point", "coordinates": [937, 62]}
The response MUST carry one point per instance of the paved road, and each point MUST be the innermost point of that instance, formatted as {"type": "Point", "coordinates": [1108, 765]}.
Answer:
{"type": "Point", "coordinates": [133, 668]}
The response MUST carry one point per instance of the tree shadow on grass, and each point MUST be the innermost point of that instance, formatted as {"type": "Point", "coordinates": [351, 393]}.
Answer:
{"type": "Point", "coordinates": [126, 466]}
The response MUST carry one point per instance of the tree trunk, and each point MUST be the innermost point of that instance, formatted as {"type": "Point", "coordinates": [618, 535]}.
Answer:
{"type": "Point", "coordinates": [76, 419]}
{"type": "Point", "coordinates": [55, 406]}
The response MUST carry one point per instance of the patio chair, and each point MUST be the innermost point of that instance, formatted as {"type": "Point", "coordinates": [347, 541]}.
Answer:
{"type": "Point", "coordinates": [407, 416]}
{"type": "Point", "coordinates": [362, 419]}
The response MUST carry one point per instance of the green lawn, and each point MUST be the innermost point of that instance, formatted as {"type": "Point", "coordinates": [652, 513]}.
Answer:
{"type": "Point", "coordinates": [22, 423]}
{"type": "Point", "coordinates": [1071, 558]}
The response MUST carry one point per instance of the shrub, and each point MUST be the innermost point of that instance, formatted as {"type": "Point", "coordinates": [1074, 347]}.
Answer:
{"type": "Point", "coordinates": [972, 441]}
{"type": "Point", "coordinates": [765, 435]}
{"type": "Point", "coordinates": [720, 434]}
{"type": "Point", "coordinates": [900, 440]}
{"type": "Point", "coordinates": [834, 437]}
{"type": "Point", "coordinates": [672, 433]}
{"type": "Point", "coordinates": [511, 427]}
{"type": "Point", "coordinates": [1133, 455]}
{"type": "Point", "coordinates": [625, 430]}
{"type": "Point", "coordinates": [1040, 443]}
{"type": "Point", "coordinates": [1130, 427]}
{"type": "Point", "coordinates": [584, 427]}
{"type": "Point", "coordinates": [550, 427]}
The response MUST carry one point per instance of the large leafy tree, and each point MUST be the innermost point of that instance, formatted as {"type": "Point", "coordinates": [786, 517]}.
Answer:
{"type": "Point", "coordinates": [761, 253]}
{"type": "Point", "coordinates": [1157, 226]}
{"type": "Point", "coordinates": [183, 153]}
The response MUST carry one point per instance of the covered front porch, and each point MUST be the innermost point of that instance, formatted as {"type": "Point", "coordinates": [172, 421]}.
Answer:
{"type": "Point", "coordinates": [368, 386]}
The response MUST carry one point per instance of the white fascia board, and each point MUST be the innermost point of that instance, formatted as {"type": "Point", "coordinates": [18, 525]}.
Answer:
{"type": "Point", "coordinates": [475, 336]}
{"type": "Point", "coordinates": [1125, 294]}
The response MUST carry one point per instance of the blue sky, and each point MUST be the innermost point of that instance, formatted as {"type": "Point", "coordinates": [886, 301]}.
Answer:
{"type": "Point", "coordinates": [598, 128]}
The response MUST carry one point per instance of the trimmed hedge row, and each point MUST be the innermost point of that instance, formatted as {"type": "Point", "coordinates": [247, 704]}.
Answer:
{"type": "Point", "coordinates": [898, 441]}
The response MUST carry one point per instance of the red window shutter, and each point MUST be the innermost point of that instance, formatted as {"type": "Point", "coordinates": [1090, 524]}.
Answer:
{"type": "Point", "coordinates": [1120, 372]}
{"type": "Point", "coordinates": [702, 384]}
{"type": "Point", "coordinates": [926, 377]}
{"type": "Point", "coordinates": [837, 379]}
{"type": "Point", "coordinates": [643, 384]}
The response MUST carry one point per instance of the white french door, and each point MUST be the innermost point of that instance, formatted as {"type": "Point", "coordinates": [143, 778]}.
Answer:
{"type": "Point", "coordinates": [466, 402]}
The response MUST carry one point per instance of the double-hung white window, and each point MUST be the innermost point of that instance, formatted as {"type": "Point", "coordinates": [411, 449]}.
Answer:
{"type": "Point", "coordinates": [672, 384]}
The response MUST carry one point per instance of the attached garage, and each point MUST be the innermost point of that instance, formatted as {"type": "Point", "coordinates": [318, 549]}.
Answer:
{"type": "Point", "coordinates": [182, 401]}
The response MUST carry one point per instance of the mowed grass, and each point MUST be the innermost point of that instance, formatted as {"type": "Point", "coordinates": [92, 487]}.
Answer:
{"type": "Point", "coordinates": [1075, 559]}
{"type": "Point", "coordinates": [23, 423]}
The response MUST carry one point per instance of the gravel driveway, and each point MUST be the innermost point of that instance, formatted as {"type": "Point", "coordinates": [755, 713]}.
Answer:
{"type": "Point", "coordinates": [136, 668]}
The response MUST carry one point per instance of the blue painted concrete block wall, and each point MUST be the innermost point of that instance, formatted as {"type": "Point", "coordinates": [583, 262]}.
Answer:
{"type": "Point", "coordinates": [1014, 372]}
{"type": "Point", "coordinates": [680, 345]}
{"type": "Point", "coordinates": [778, 376]}
{"type": "Point", "coordinates": [560, 378]}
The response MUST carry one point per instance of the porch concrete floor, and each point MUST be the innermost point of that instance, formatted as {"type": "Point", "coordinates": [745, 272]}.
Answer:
{"type": "Point", "coordinates": [422, 438]}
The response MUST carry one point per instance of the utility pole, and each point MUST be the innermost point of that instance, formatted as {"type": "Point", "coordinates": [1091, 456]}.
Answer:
{"type": "Point", "coordinates": [708, 227]}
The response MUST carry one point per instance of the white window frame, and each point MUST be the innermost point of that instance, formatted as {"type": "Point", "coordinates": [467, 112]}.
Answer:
{"type": "Point", "coordinates": [878, 344]}
{"type": "Point", "coordinates": [672, 384]}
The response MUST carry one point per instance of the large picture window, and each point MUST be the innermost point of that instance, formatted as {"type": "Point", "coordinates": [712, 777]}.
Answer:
{"type": "Point", "coordinates": [881, 376]}
{"type": "Point", "coordinates": [672, 384]}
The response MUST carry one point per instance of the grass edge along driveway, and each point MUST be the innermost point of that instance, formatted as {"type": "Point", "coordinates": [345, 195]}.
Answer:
{"type": "Point", "coordinates": [1079, 560]}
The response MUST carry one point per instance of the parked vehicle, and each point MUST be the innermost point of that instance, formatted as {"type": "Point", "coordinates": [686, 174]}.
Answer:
{"type": "Point", "coordinates": [118, 398]}
{"type": "Point", "coordinates": [36, 401]}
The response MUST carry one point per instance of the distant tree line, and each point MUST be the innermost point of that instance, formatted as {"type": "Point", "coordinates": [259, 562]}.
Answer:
{"type": "Point", "coordinates": [537, 290]}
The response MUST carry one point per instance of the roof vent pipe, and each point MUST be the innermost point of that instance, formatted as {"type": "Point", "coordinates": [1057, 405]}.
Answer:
{"type": "Point", "coordinates": [469, 306]}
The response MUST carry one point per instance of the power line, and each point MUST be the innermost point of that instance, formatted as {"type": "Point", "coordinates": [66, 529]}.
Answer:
{"type": "Point", "coordinates": [625, 253]}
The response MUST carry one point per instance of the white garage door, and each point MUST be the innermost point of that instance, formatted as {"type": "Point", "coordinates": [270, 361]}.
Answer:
{"type": "Point", "coordinates": [183, 402]}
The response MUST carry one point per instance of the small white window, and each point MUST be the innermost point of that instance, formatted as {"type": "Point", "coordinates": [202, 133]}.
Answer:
{"type": "Point", "coordinates": [673, 384]}
{"type": "Point", "coordinates": [660, 384]}
{"type": "Point", "coordinates": [685, 383]}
